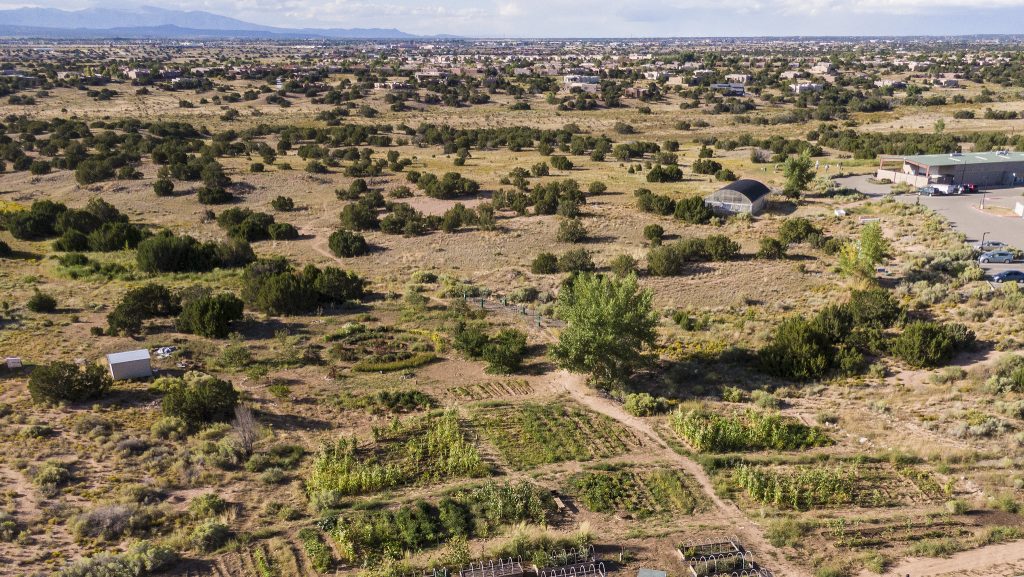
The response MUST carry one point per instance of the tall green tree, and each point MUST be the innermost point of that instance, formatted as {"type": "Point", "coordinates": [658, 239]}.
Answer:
{"type": "Point", "coordinates": [609, 322]}
{"type": "Point", "coordinates": [799, 171]}
{"type": "Point", "coordinates": [858, 259]}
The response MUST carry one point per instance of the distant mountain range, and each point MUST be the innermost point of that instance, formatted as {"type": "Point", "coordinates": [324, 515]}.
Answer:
{"type": "Point", "coordinates": [153, 22]}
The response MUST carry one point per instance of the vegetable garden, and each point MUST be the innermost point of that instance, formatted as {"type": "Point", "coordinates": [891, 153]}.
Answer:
{"type": "Point", "coordinates": [531, 434]}
{"type": "Point", "coordinates": [366, 538]}
{"type": "Point", "coordinates": [425, 449]}
{"type": "Point", "coordinates": [380, 348]}
{"type": "Point", "coordinates": [825, 485]}
{"type": "Point", "coordinates": [710, 432]}
{"type": "Point", "coordinates": [641, 493]}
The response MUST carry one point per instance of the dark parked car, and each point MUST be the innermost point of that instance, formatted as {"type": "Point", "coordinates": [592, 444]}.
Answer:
{"type": "Point", "coordinates": [969, 188]}
{"type": "Point", "coordinates": [1009, 276]}
{"type": "Point", "coordinates": [929, 191]}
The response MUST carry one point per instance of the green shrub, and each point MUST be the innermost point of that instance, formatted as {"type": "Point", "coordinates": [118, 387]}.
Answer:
{"type": "Point", "coordinates": [795, 350]}
{"type": "Point", "coordinates": [207, 505]}
{"type": "Point", "coordinates": [112, 236]}
{"type": "Point", "coordinates": [163, 187]}
{"type": "Point", "coordinates": [171, 428]}
{"type": "Point", "coordinates": [140, 560]}
{"type": "Point", "coordinates": [271, 286]}
{"type": "Point", "coordinates": [41, 302]}
{"type": "Point", "coordinates": [665, 261]}
{"type": "Point", "coordinates": [199, 400]}
{"type": "Point", "coordinates": [645, 405]}
{"type": "Point", "coordinates": [168, 253]}
{"type": "Point", "coordinates": [139, 304]}
{"type": "Point", "coordinates": [693, 210]}
{"type": "Point", "coordinates": [344, 243]}
{"type": "Point", "coordinates": [1008, 375]}
{"type": "Point", "coordinates": [504, 351]}
{"type": "Point", "coordinates": [282, 231]}
{"type": "Point", "coordinates": [544, 263]}
{"type": "Point", "coordinates": [772, 249]}
{"type": "Point", "coordinates": [60, 381]}
{"type": "Point", "coordinates": [209, 536]}
{"type": "Point", "coordinates": [283, 204]}
{"type": "Point", "coordinates": [706, 166]}
{"type": "Point", "coordinates": [113, 522]}
{"type": "Point", "coordinates": [571, 230]}
{"type": "Point", "coordinates": [213, 195]}
{"type": "Point", "coordinates": [623, 265]}
{"type": "Point", "coordinates": [796, 230]}
{"type": "Point", "coordinates": [576, 260]}
{"type": "Point", "coordinates": [210, 315]}
{"type": "Point", "coordinates": [874, 307]}
{"type": "Point", "coordinates": [931, 344]}
{"type": "Point", "coordinates": [654, 233]}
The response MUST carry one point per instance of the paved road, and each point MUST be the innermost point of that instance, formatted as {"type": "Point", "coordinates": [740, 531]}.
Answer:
{"type": "Point", "coordinates": [964, 214]}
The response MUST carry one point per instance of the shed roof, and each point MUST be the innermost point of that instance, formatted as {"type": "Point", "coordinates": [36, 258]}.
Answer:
{"type": "Point", "coordinates": [750, 188]}
{"type": "Point", "coordinates": [650, 573]}
{"type": "Point", "coordinates": [128, 356]}
{"type": "Point", "coordinates": [963, 159]}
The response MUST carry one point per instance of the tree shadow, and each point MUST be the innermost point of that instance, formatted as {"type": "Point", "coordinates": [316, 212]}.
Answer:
{"type": "Point", "coordinates": [292, 422]}
{"type": "Point", "coordinates": [781, 207]}
{"type": "Point", "coordinates": [17, 254]}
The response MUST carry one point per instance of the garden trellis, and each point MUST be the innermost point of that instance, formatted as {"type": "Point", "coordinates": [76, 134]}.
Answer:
{"type": "Point", "coordinates": [720, 556]}
{"type": "Point", "coordinates": [574, 562]}
{"type": "Point", "coordinates": [510, 567]}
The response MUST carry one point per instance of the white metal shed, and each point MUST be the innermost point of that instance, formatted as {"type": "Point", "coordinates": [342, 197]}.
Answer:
{"type": "Point", "coordinates": [130, 365]}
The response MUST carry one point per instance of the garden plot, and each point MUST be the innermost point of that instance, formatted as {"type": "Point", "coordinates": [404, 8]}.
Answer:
{"type": "Point", "coordinates": [531, 434]}
{"type": "Point", "coordinates": [869, 535]}
{"type": "Point", "coordinates": [637, 492]}
{"type": "Point", "coordinates": [491, 390]}
{"type": "Point", "coordinates": [429, 449]}
{"type": "Point", "coordinates": [809, 486]}
{"type": "Point", "coordinates": [707, 431]}
{"type": "Point", "coordinates": [380, 348]}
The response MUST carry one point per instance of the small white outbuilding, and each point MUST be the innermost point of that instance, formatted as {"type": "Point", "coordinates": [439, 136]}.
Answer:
{"type": "Point", "coordinates": [130, 365]}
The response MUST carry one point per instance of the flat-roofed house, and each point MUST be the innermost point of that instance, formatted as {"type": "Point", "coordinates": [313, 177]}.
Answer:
{"type": "Point", "coordinates": [999, 168]}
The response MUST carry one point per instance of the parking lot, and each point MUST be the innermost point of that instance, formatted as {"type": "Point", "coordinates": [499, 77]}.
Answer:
{"type": "Point", "coordinates": [963, 212]}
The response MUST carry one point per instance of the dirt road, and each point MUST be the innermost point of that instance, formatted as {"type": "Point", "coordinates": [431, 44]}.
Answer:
{"type": "Point", "coordinates": [1004, 560]}
{"type": "Point", "coordinates": [749, 533]}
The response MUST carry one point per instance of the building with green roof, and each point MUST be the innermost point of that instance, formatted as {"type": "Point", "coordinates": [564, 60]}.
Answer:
{"type": "Point", "coordinates": [998, 168]}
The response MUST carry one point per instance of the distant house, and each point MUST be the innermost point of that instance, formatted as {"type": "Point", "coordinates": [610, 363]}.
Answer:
{"type": "Point", "coordinates": [737, 78]}
{"type": "Point", "coordinates": [729, 89]}
{"type": "Point", "coordinates": [130, 365]}
{"type": "Point", "coordinates": [823, 68]}
{"type": "Point", "coordinates": [804, 87]}
{"type": "Point", "coordinates": [889, 83]}
{"type": "Point", "coordinates": [740, 196]}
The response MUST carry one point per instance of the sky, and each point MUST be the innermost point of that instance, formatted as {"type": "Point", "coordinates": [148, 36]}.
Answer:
{"type": "Point", "coordinates": [612, 18]}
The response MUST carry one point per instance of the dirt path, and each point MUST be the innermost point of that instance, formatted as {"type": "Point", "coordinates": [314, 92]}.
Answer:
{"type": "Point", "coordinates": [995, 560]}
{"type": "Point", "coordinates": [748, 532]}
